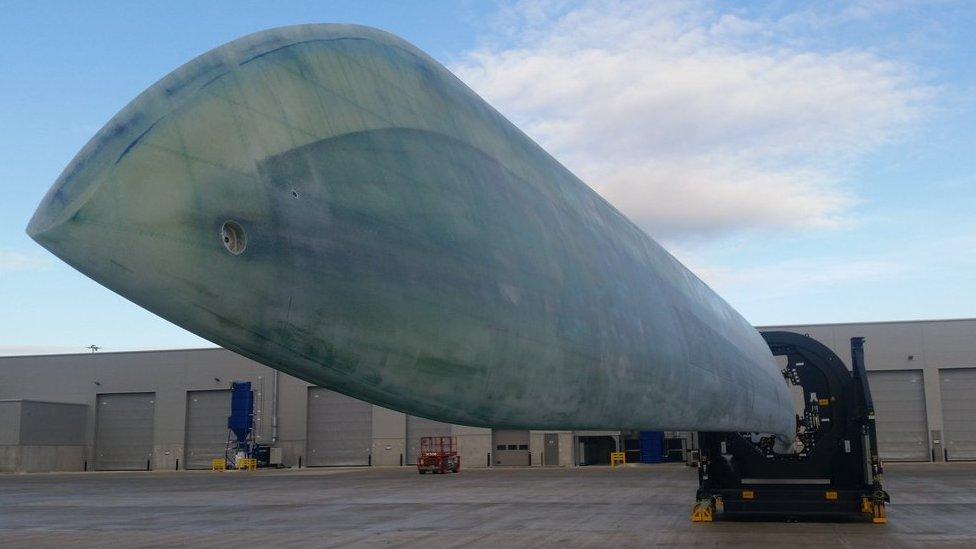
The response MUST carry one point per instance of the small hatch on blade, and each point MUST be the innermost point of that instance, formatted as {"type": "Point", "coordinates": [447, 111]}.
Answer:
{"type": "Point", "coordinates": [233, 237]}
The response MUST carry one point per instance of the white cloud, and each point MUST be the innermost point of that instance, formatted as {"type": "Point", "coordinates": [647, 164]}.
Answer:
{"type": "Point", "coordinates": [693, 121]}
{"type": "Point", "coordinates": [11, 261]}
{"type": "Point", "coordinates": [907, 266]}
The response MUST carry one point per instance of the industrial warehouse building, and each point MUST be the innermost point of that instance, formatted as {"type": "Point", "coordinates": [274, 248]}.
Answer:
{"type": "Point", "coordinates": [168, 409]}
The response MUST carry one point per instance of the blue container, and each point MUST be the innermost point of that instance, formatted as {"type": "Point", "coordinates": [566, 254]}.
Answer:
{"type": "Point", "coordinates": [652, 446]}
{"type": "Point", "coordinates": [241, 419]}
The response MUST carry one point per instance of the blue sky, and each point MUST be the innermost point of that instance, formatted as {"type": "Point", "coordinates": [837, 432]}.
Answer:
{"type": "Point", "coordinates": [812, 163]}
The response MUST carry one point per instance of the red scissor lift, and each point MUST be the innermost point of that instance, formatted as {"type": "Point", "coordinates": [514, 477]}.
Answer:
{"type": "Point", "coordinates": [438, 455]}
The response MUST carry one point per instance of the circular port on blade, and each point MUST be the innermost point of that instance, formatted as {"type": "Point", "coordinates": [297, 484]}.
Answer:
{"type": "Point", "coordinates": [233, 237]}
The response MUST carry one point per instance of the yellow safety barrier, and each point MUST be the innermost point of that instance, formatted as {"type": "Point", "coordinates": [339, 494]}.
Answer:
{"type": "Point", "coordinates": [247, 464]}
{"type": "Point", "coordinates": [218, 465]}
{"type": "Point", "coordinates": [617, 458]}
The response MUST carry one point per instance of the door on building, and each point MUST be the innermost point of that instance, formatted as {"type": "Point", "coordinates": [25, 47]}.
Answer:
{"type": "Point", "coordinates": [899, 405]}
{"type": "Point", "coordinates": [511, 448]}
{"type": "Point", "coordinates": [340, 429]}
{"type": "Point", "coordinates": [595, 450]}
{"type": "Point", "coordinates": [124, 431]}
{"type": "Point", "coordinates": [418, 427]}
{"type": "Point", "coordinates": [958, 388]}
{"type": "Point", "coordinates": [550, 452]}
{"type": "Point", "coordinates": [206, 427]}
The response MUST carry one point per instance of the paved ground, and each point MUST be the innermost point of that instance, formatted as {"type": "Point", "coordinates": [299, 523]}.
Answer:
{"type": "Point", "coordinates": [933, 504]}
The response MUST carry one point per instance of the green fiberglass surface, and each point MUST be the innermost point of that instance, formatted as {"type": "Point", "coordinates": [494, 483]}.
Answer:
{"type": "Point", "coordinates": [330, 201]}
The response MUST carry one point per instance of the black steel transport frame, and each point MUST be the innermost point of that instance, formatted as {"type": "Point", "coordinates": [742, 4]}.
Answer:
{"type": "Point", "coordinates": [836, 475]}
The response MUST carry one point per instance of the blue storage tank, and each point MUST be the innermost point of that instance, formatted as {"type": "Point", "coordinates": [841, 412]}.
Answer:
{"type": "Point", "coordinates": [241, 419]}
{"type": "Point", "coordinates": [652, 446]}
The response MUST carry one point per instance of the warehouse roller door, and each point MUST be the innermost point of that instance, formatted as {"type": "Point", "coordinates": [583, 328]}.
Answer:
{"type": "Point", "coordinates": [124, 431]}
{"type": "Point", "coordinates": [418, 427]}
{"type": "Point", "coordinates": [340, 429]}
{"type": "Point", "coordinates": [511, 448]}
{"type": "Point", "coordinates": [206, 427]}
{"type": "Point", "coordinates": [958, 388]}
{"type": "Point", "coordinates": [899, 405]}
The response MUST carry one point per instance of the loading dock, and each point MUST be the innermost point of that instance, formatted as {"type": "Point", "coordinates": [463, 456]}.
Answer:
{"type": "Point", "coordinates": [340, 429]}
{"type": "Point", "coordinates": [958, 388]}
{"type": "Point", "coordinates": [124, 431]}
{"type": "Point", "coordinates": [511, 448]}
{"type": "Point", "coordinates": [899, 403]}
{"type": "Point", "coordinates": [206, 427]}
{"type": "Point", "coordinates": [596, 450]}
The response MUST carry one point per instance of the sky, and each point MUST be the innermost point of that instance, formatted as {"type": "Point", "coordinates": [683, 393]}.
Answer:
{"type": "Point", "coordinates": [813, 162]}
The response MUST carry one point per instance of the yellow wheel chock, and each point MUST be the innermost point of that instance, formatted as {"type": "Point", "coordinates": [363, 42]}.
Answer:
{"type": "Point", "coordinates": [876, 509]}
{"type": "Point", "coordinates": [703, 511]}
